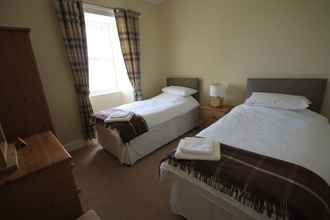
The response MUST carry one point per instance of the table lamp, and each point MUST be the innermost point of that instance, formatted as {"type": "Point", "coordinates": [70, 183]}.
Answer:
{"type": "Point", "coordinates": [217, 94]}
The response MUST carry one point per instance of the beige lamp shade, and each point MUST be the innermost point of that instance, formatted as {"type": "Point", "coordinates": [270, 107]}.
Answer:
{"type": "Point", "coordinates": [217, 93]}
{"type": "Point", "coordinates": [218, 90]}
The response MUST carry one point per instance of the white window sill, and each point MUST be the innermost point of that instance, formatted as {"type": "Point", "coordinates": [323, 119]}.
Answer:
{"type": "Point", "coordinates": [103, 93]}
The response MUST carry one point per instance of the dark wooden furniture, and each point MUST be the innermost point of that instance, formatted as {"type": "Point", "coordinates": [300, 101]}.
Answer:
{"type": "Point", "coordinates": [209, 115]}
{"type": "Point", "coordinates": [24, 110]}
{"type": "Point", "coordinates": [43, 187]}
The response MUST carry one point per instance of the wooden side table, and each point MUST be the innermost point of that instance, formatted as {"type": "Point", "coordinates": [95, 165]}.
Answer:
{"type": "Point", "coordinates": [209, 114]}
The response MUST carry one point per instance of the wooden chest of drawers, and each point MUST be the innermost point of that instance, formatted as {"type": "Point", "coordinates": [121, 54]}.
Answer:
{"type": "Point", "coordinates": [209, 115]}
{"type": "Point", "coordinates": [43, 187]}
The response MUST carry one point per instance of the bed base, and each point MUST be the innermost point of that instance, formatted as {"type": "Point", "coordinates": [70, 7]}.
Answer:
{"type": "Point", "coordinates": [148, 142]}
{"type": "Point", "coordinates": [195, 200]}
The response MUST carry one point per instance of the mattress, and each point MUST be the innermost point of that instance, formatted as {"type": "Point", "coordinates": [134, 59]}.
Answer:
{"type": "Point", "coordinates": [300, 137]}
{"type": "Point", "coordinates": [161, 108]}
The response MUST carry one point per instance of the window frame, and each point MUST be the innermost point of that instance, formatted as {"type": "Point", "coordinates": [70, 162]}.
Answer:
{"type": "Point", "coordinates": [93, 9]}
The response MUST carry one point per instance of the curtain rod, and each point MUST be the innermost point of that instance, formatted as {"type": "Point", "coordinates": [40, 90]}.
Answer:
{"type": "Point", "coordinates": [104, 6]}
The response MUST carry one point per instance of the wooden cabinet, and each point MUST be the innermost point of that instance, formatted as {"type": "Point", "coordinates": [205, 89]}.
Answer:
{"type": "Point", "coordinates": [24, 110]}
{"type": "Point", "coordinates": [43, 187]}
{"type": "Point", "coordinates": [209, 114]}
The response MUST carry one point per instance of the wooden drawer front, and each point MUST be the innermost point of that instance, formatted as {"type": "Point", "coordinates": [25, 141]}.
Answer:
{"type": "Point", "coordinates": [48, 194]}
{"type": "Point", "coordinates": [217, 115]}
{"type": "Point", "coordinates": [206, 115]}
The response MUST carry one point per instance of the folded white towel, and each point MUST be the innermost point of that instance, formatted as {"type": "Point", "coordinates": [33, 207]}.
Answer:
{"type": "Point", "coordinates": [119, 116]}
{"type": "Point", "coordinates": [214, 156]}
{"type": "Point", "coordinates": [196, 145]}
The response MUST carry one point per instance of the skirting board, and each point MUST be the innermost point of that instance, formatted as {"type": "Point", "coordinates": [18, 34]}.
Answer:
{"type": "Point", "coordinates": [75, 145]}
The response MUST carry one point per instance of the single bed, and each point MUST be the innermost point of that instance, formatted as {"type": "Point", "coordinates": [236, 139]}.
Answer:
{"type": "Point", "coordinates": [300, 137]}
{"type": "Point", "coordinates": [167, 117]}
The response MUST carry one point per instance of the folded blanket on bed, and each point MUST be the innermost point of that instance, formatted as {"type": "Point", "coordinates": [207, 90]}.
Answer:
{"type": "Point", "coordinates": [127, 129]}
{"type": "Point", "coordinates": [190, 149]}
{"type": "Point", "coordinates": [265, 184]}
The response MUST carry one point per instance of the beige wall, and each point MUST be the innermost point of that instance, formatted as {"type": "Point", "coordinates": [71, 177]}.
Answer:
{"type": "Point", "coordinates": [231, 40]}
{"type": "Point", "coordinates": [51, 59]}
{"type": "Point", "coordinates": [216, 40]}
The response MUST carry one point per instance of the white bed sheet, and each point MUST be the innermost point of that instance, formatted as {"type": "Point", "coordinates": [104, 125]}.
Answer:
{"type": "Point", "coordinates": [300, 137]}
{"type": "Point", "coordinates": [161, 108]}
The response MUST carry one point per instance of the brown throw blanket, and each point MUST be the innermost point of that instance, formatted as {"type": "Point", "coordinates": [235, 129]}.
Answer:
{"type": "Point", "coordinates": [265, 184]}
{"type": "Point", "coordinates": [127, 130]}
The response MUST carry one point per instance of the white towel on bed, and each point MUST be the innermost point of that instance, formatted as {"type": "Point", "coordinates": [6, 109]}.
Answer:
{"type": "Point", "coordinates": [120, 115]}
{"type": "Point", "coordinates": [214, 155]}
{"type": "Point", "coordinates": [196, 145]}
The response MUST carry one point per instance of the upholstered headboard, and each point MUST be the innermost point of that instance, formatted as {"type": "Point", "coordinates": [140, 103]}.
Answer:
{"type": "Point", "coordinates": [186, 82]}
{"type": "Point", "coordinates": [313, 89]}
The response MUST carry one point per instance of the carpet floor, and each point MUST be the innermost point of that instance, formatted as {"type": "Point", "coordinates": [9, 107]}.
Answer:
{"type": "Point", "coordinates": [119, 192]}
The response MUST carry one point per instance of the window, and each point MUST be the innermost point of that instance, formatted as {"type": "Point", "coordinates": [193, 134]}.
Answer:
{"type": "Point", "coordinates": [107, 71]}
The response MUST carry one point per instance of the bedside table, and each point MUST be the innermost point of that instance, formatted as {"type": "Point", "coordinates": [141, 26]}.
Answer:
{"type": "Point", "coordinates": [208, 114]}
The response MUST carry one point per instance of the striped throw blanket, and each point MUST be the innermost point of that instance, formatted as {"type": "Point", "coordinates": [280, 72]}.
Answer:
{"type": "Point", "coordinates": [127, 130]}
{"type": "Point", "coordinates": [262, 183]}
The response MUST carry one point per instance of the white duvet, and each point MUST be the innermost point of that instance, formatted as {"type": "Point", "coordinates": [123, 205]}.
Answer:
{"type": "Point", "coordinates": [300, 137]}
{"type": "Point", "coordinates": [161, 108]}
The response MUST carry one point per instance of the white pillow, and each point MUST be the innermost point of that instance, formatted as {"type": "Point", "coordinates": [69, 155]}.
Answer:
{"type": "Point", "coordinates": [277, 100]}
{"type": "Point", "coordinates": [179, 90]}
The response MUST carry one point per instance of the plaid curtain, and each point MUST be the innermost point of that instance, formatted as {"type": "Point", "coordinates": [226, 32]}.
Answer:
{"type": "Point", "coordinates": [71, 19]}
{"type": "Point", "coordinates": [128, 31]}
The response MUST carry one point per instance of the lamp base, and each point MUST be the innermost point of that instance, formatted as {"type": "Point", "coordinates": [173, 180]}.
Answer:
{"type": "Point", "coordinates": [216, 101]}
